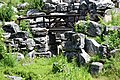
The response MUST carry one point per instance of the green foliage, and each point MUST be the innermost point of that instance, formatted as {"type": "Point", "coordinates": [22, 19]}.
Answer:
{"type": "Point", "coordinates": [35, 4]}
{"type": "Point", "coordinates": [115, 21]}
{"type": "Point", "coordinates": [112, 39]}
{"type": "Point", "coordinates": [112, 68]}
{"type": "Point", "coordinates": [6, 13]}
{"type": "Point", "coordinates": [24, 26]}
{"type": "Point", "coordinates": [82, 27]}
{"type": "Point", "coordinates": [8, 60]}
{"type": "Point", "coordinates": [42, 69]}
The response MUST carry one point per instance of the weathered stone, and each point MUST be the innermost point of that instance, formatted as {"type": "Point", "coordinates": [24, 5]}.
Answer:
{"type": "Point", "coordinates": [22, 34]}
{"type": "Point", "coordinates": [75, 41]}
{"type": "Point", "coordinates": [18, 40]}
{"type": "Point", "coordinates": [47, 54]}
{"type": "Point", "coordinates": [105, 4]}
{"type": "Point", "coordinates": [96, 67]}
{"type": "Point", "coordinates": [6, 35]}
{"type": "Point", "coordinates": [113, 52]}
{"type": "Point", "coordinates": [62, 7]}
{"type": "Point", "coordinates": [13, 77]}
{"type": "Point", "coordinates": [41, 49]}
{"type": "Point", "coordinates": [32, 54]}
{"type": "Point", "coordinates": [83, 58]}
{"type": "Point", "coordinates": [83, 9]}
{"type": "Point", "coordinates": [91, 46]}
{"type": "Point", "coordinates": [39, 32]}
{"type": "Point", "coordinates": [68, 35]}
{"type": "Point", "coordinates": [70, 55]}
{"type": "Point", "coordinates": [18, 55]}
{"type": "Point", "coordinates": [79, 40]}
{"type": "Point", "coordinates": [11, 27]}
{"type": "Point", "coordinates": [49, 7]}
{"type": "Point", "coordinates": [30, 44]}
{"type": "Point", "coordinates": [32, 11]}
{"type": "Point", "coordinates": [40, 39]}
{"type": "Point", "coordinates": [23, 5]}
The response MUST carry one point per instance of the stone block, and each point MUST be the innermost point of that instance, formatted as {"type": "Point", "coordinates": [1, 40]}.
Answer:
{"type": "Point", "coordinates": [96, 67]}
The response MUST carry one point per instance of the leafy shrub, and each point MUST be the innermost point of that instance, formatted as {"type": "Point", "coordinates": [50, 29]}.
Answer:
{"type": "Point", "coordinates": [82, 27]}
{"type": "Point", "coordinates": [24, 26]}
{"type": "Point", "coordinates": [8, 60]}
{"type": "Point", "coordinates": [35, 4]}
{"type": "Point", "coordinates": [112, 68]}
{"type": "Point", "coordinates": [6, 13]}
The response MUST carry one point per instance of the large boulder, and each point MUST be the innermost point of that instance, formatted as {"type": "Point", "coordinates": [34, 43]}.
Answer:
{"type": "Point", "coordinates": [31, 54]}
{"type": "Point", "coordinates": [92, 47]}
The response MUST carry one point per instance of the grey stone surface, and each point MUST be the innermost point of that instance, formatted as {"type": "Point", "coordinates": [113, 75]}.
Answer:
{"type": "Point", "coordinates": [13, 77]}
{"type": "Point", "coordinates": [49, 7]}
{"type": "Point", "coordinates": [11, 27]}
{"type": "Point", "coordinates": [96, 67]}
{"type": "Point", "coordinates": [71, 55]}
{"type": "Point", "coordinates": [21, 34]}
{"type": "Point", "coordinates": [32, 12]}
{"type": "Point", "coordinates": [105, 4]}
{"type": "Point", "coordinates": [91, 46]}
{"type": "Point", "coordinates": [18, 55]}
{"type": "Point", "coordinates": [39, 32]}
{"type": "Point", "coordinates": [62, 7]}
{"type": "Point", "coordinates": [23, 5]}
{"type": "Point", "coordinates": [75, 41]}
{"type": "Point", "coordinates": [31, 54]}
{"type": "Point", "coordinates": [30, 44]}
{"type": "Point", "coordinates": [83, 57]}
{"type": "Point", "coordinates": [6, 35]}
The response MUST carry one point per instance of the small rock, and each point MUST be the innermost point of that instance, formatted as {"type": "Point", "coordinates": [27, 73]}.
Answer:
{"type": "Point", "coordinates": [32, 54]}
{"type": "Point", "coordinates": [13, 77]}
{"type": "Point", "coordinates": [96, 67]}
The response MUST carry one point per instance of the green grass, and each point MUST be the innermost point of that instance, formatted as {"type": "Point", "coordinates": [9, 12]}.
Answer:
{"type": "Point", "coordinates": [41, 69]}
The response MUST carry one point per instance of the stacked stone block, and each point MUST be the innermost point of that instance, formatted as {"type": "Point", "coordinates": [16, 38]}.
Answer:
{"type": "Point", "coordinates": [41, 40]}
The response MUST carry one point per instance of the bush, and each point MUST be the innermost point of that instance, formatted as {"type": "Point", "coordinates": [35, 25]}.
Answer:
{"type": "Point", "coordinates": [6, 13]}
{"type": "Point", "coordinates": [35, 4]}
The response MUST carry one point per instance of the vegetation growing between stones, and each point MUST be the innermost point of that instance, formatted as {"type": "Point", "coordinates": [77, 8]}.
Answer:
{"type": "Point", "coordinates": [7, 13]}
